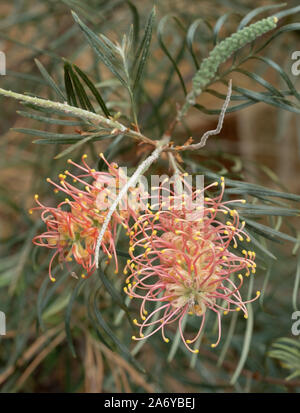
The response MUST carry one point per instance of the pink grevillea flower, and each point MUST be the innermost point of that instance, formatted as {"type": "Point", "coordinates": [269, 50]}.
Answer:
{"type": "Point", "coordinates": [187, 266]}
{"type": "Point", "coordinates": [74, 225]}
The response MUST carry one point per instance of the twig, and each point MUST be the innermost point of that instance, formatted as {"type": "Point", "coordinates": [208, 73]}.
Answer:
{"type": "Point", "coordinates": [78, 112]}
{"type": "Point", "coordinates": [131, 183]}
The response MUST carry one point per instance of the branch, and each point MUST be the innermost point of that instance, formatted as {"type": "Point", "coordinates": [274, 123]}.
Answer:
{"type": "Point", "coordinates": [78, 112]}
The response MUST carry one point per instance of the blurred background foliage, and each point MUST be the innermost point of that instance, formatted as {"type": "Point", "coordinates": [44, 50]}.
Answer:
{"type": "Point", "coordinates": [75, 335]}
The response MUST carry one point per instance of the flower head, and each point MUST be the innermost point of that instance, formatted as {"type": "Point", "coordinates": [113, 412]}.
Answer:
{"type": "Point", "coordinates": [74, 225]}
{"type": "Point", "coordinates": [187, 266]}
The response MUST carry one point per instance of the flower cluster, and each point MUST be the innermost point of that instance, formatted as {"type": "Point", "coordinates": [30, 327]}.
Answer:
{"type": "Point", "coordinates": [74, 225]}
{"type": "Point", "coordinates": [184, 247]}
{"type": "Point", "coordinates": [186, 265]}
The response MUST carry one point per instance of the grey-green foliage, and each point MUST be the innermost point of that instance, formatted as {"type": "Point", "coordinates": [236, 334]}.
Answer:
{"type": "Point", "coordinates": [224, 50]}
{"type": "Point", "coordinates": [287, 351]}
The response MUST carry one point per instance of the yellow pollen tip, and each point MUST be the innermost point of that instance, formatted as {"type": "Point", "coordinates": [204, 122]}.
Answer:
{"type": "Point", "coordinates": [245, 316]}
{"type": "Point", "coordinates": [53, 279]}
{"type": "Point", "coordinates": [166, 340]}
{"type": "Point", "coordinates": [225, 312]}
{"type": "Point", "coordinates": [69, 160]}
{"type": "Point", "coordinates": [213, 345]}
{"type": "Point", "coordinates": [84, 156]}
{"type": "Point", "coordinates": [237, 309]}
{"type": "Point", "coordinates": [275, 19]}
{"type": "Point", "coordinates": [257, 293]}
{"type": "Point", "coordinates": [30, 211]}
{"type": "Point", "coordinates": [101, 155]}
{"type": "Point", "coordinates": [83, 275]}
{"type": "Point", "coordinates": [36, 196]}
{"type": "Point", "coordinates": [48, 180]}
{"type": "Point", "coordinates": [133, 337]}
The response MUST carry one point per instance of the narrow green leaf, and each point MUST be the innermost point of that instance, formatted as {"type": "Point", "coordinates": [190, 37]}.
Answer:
{"type": "Point", "coordinates": [228, 340]}
{"type": "Point", "coordinates": [261, 81]}
{"type": "Point", "coordinates": [124, 351]}
{"type": "Point", "coordinates": [94, 91]}
{"type": "Point", "coordinates": [269, 99]}
{"type": "Point", "coordinates": [50, 81]}
{"type": "Point", "coordinates": [288, 12]}
{"type": "Point", "coordinates": [69, 313]}
{"type": "Point", "coordinates": [115, 295]}
{"type": "Point", "coordinates": [281, 72]}
{"type": "Point", "coordinates": [259, 10]}
{"type": "Point", "coordinates": [99, 47]}
{"type": "Point", "coordinates": [82, 141]}
{"type": "Point", "coordinates": [51, 121]}
{"type": "Point", "coordinates": [136, 22]}
{"type": "Point", "coordinates": [144, 48]}
{"type": "Point", "coordinates": [284, 29]}
{"type": "Point", "coordinates": [71, 96]}
{"type": "Point", "coordinates": [218, 26]}
{"type": "Point", "coordinates": [44, 134]}
{"type": "Point", "coordinates": [79, 90]}
{"type": "Point", "coordinates": [274, 234]}
{"type": "Point", "coordinates": [246, 346]}
{"type": "Point", "coordinates": [160, 31]}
